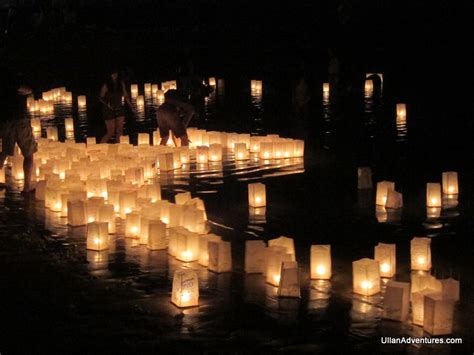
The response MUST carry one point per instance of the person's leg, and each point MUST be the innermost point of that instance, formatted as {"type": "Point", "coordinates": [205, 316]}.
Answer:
{"type": "Point", "coordinates": [119, 122]}
{"type": "Point", "coordinates": [27, 170]}
{"type": "Point", "coordinates": [110, 126]}
{"type": "Point", "coordinates": [184, 140]}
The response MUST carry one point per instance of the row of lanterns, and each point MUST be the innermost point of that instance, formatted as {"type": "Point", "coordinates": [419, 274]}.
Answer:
{"type": "Point", "coordinates": [51, 97]}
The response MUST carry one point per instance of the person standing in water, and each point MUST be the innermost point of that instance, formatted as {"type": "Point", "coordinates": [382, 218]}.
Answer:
{"type": "Point", "coordinates": [15, 126]}
{"type": "Point", "coordinates": [113, 96]}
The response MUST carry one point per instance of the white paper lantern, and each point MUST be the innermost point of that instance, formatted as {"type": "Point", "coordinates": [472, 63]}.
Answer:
{"type": "Point", "coordinates": [185, 291]}
{"type": "Point", "coordinates": [203, 247]}
{"type": "Point", "coordinates": [97, 236]}
{"type": "Point", "coordinates": [132, 225]}
{"type": "Point", "coordinates": [364, 180]}
{"type": "Point", "coordinates": [275, 256]}
{"type": "Point", "coordinates": [366, 277]}
{"type": "Point", "coordinates": [396, 301]}
{"type": "Point", "coordinates": [202, 154]}
{"type": "Point", "coordinates": [433, 195]}
{"type": "Point", "coordinates": [321, 267]}
{"type": "Point", "coordinates": [76, 213]}
{"type": "Point", "coordinates": [287, 243]}
{"type": "Point", "coordinates": [266, 150]}
{"type": "Point", "coordinates": [220, 257]}
{"type": "Point", "coordinates": [420, 254]}
{"type": "Point", "coordinates": [254, 256]}
{"type": "Point", "coordinates": [438, 315]}
{"type": "Point", "coordinates": [215, 152]}
{"type": "Point", "coordinates": [382, 191]}
{"type": "Point", "coordinates": [187, 246]}
{"type": "Point", "coordinates": [143, 138]}
{"type": "Point", "coordinates": [107, 215]}
{"type": "Point", "coordinates": [127, 201]}
{"type": "Point", "coordinates": [289, 285]}
{"type": "Point", "coordinates": [450, 183]}
{"type": "Point", "coordinates": [385, 254]}
{"type": "Point", "coordinates": [394, 200]}
{"type": "Point", "coordinates": [257, 195]}
{"type": "Point", "coordinates": [156, 235]}
{"type": "Point", "coordinates": [240, 151]}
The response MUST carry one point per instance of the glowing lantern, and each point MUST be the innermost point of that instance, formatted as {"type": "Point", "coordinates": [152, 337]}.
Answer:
{"type": "Point", "coordinates": [76, 213]}
{"type": "Point", "coordinates": [176, 215]}
{"type": "Point", "coordinates": [69, 124]}
{"type": "Point", "coordinates": [220, 257]}
{"type": "Point", "coordinates": [143, 237]}
{"type": "Point", "coordinates": [366, 277]}
{"type": "Point", "coordinates": [166, 162]}
{"type": "Point", "coordinates": [184, 154]}
{"type": "Point", "coordinates": [156, 235]}
{"type": "Point", "coordinates": [202, 154]}
{"type": "Point", "coordinates": [369, 87]}
{"type": "Point", "coordinates": [257, 195]}
{"type": "Point", "coordinates": [438, 315]}
{"type": "Point", "coordinates": [266, 150]}
{"type": "Point", "coordinates": [401, 111]}
{"type": "Point", "coordinates": [278, 150]}
{"type": "Point", "coordinates": [187, 246]}
{"type": "Point", "coordinates": [36, 126]}
{"type": "Point", "coordinates": [396, 303]}
{"type": "Point", "coordinates": [107, 214]}
{"type": "Point", "coordinates": [364, 178]}
{"type": "Point", "coordinates": [385, 254]}
{"type": "Point", "coordinates": [287, 243]}
{"type": "Point", "coordinates": [147, 88]}
{"type": "Point", "coordinates": [2, 176]}
{"type": "Point", "coordinates": [135, 176]}
{"type": "Point", "coordinates": [81, 101]}
{"type": "Point", "coordinates": [254, 256]}
{"type": "Point", "coordinates": [182, 198]}
{"type": "Point", "coordinates": [240, 151]}
{"type": "Point", "coordinates": [418, 306]}
{"type": "Point", "coordinates": [91, 141]}
{"type": "Point", "coordinates": [275, 256]}
{"type": "Point", "coordinates": [154, 89]}
{"type": "Point", "coordinates": [289, 285]}
{"type": "Point", "coordinates": [92, 208]}
{"type": "Point", "coordinates": [52, 133]}
{"type": "Point", "coordinates": [394, 200]}
{"type": "Point", "coordinates": [134, 90]}
{"type": "Point", "coordinates": [132, 225]}
{"type": "Point", "coordinates": [212, 81]}
{"type": "Point", "coordinates": [124, 140]}
{"type": "Point", "coordinates": [203, 247]}
{"type": "Point", "coordinates": [140, 101]}
{"type": "Point", "coordinates": [421, 281]}
{"type": "Point", "coordinates": [215, 152]}
{"type": "Point", "coordinates": [450, 289]}
{"type": "Point", "coordinates": [382, 192]}
{"type": "Point", "coordinates": [127, 202]}
{"type": "Point", "coordinates": [255, 144]}
{"type": "Point", "coordinates": [144, 138]}
{"type": "Point", "coordinates": [299, 148]}
{"type": "Point", "coordinates": [420, 254]}
{"type": "Point", "coordinates": [433, 194]}
{"type": "Point", "coordinates": [450, 183]}
{"type": "Point", "coordinates": [185, 291]}
{"type": "Point", "coordinates": [321, 267]}
{"type": "Point", "coordinates": [97, 236]}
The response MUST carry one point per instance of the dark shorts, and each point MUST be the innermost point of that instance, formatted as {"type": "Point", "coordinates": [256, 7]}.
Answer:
{"type": "Point", "coordinates": [113, 114]}
{"type": "Point", "coordinates": [19, 132]}
{"type": "Point", "coordinates": [169, 120]}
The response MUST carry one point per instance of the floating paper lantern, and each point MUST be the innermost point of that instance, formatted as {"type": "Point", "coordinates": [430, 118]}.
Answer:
{"type": "Point", "coordinates": [382, 191]}
{"type": "Point", "coordinates": [187, 246]}
{"type": "Point", "coordinates": [299, 148]}
{"type": "Point", "coordinates": [421, 281]}
{"type": "Point", "coordinates": [143, 138]}
{"type": "Point", "coordinates": [202, 154]}
{"type": "Point", "coordinates": [107, 214]}
{"type": "Point", "coordinates": [438, 314]}
{"type": "Point", "coordinates": [127, 202]}
{"type": "Point", "coordinates": [185, 291]}
{"type": "Point", "coordinates": [91, 141]}
{"type": "Point", "coordinates": [124, 140]}
{"type": "Point", "coordinates": [203, 247]}
{"type": "Point", "coordinates": [76, 213]}
{"type": "Point", "coordinates": [364, 178]}
{"type": "Point", "coordinates": [321, 267]}
{"type": "Point", "coordinates": [240, 151]}
{"type": "Point", "coordinates": [289, 280]}
{"type": "Point", "coordinates": [257, 195]}
{"type": "Point", "coordinates": [396, 303]}
{"type": "Point", "coordinates": [35, 126]}
{"type": "Point", "coordinates": [394, 200]}
{"type": "Point", "coordinates": [134, 90]}
{"type": "Point", "coordinates": [433, 194]}
{"type": "Point", "coordinates": [369, 87]}
{"type": "Point", "coordinates": [140, 101]}
{"type": "Point", "coordinates": [325, 91]}
{"type": "Point", "coordinates": [166, 162]}
{"type": "Point", "coordinates": [69, 124]}
{"type": "Point", "coordinates": [81, 102]}
{"type": "Point", "coordinates": [156, 235]}
{"type": "Point", "coordinates": [255, 144]}
{"type": "Point", "coordinates": [92, 208]}
{"type": "Point", "coordinates": [385, 254]}
{"type": "Point", "coordinates": [275, 256]}
{"type": "Point", "coordinates": [132, 225]}
{"type": "Point", "coordinates": [420, 254]}
{"type": "Point", "coordinates": [401, 111]}
{"type": "Point", "coordinates": [450, 289]}
{"type": "Point", "coordinates": [254, 256]}
{"type": "Point", "coordinates": [52, 133]}
{"type": "Point", "coordinates": [147, 88]}
{"type": "Point", "coordinates": [450, 183]}
{"type": "Point", "coordinates": [97, 236]}
{"type": "Point", "coordinates": [418, 306]}
{"type": "Point", "coordinates": [143, 237]}
{"type": "Point", "coordinates": [2, 176]}
{"type": "Point", "coordinates": [182, 198]}
{"type": "Point", "coordinates": [266, 150]}
{"type": "Point", "coordinates": [366, 277]}
{"type": "Point", "coordinates": [215, 152]}
{"type": "Point", "coordinates": [220, 257]}
{"type": "Point", "coordinates": [278, 150]}
{"type": "Point", "coordinates": [287, 243]}
{"type": "Point", "coordinates": [212, 81]}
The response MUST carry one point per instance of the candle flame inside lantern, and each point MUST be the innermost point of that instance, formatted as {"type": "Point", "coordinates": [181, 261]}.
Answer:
{"type": "Point", "coordinates": [21, 176]}
{"type": "Point", "coordinates": [185, 296]}
{"type": "Point", "coordinates": [385, 267]}
{"type": "Point", "coordinates": [367, 285]}
{"type": "Point", "coordinates": [434, 200]}
{"type": "Point", "coordinates": [153, 200]}
{"type": "Point", "coordinates": [276, 278]}
{"type": "Point", "coordinates": [62, 176]}
{"type": "Point", "coordinates": [58, 205]}
{"type": "Point", "coordinates": [240, 155]}
{"type": "Point", "coordinates": [91, 219]}
{"type": "Point", "coordinates": [451, 189]}
{"type": "Point", "coordinates": [266, 155]}
{"type": "Point", "coordinates": [421, 260]}
{"type": "Point", "coordinates": [384, 199]}
{"type": "Point", "coordinates": [320, 270]}
{"type": "Point", "coordinates": [97, 241]}
{"type": "Point", "coordinates": [184, 160]}
{"type": "Point", "coordinates": [187, 254]}
{"type": "Point", "coordinates": [134, 230]}
{"type": "Point", "coordinates": [104, 194]}
{"type": "Point", "coordinates": [165, 220]}
{"type": "Point", "coordinates": [128, 210]}
{"type": "Point", "coordinates": [202, 158]}
{"type": "Point", "coordinates": [258, 199]}
{"type": "Point", "coordinates": [214, 157]}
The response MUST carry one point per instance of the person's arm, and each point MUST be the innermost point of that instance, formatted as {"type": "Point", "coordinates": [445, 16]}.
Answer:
{"type": "Point", "coordinates": [188, 112]}
{"type": "Point", "coordinates": [24, 90]}
{"type": "Point", "coordinates": [103, 92]}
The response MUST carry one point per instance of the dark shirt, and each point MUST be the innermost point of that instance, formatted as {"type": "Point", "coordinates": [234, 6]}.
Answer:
{"type": "Point", "coordinates": [13, 105]}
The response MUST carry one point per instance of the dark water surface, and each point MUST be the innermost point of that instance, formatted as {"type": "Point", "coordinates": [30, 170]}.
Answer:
{"type": "Point", "coordinates": [69, 299]}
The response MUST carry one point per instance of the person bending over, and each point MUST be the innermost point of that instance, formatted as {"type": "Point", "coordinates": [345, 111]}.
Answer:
{"type": "Point", "coordinates": [167, 117]}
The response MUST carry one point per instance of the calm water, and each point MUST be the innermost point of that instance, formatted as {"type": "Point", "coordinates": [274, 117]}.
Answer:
{"type": "Point", "coordinates": [305, 202]}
